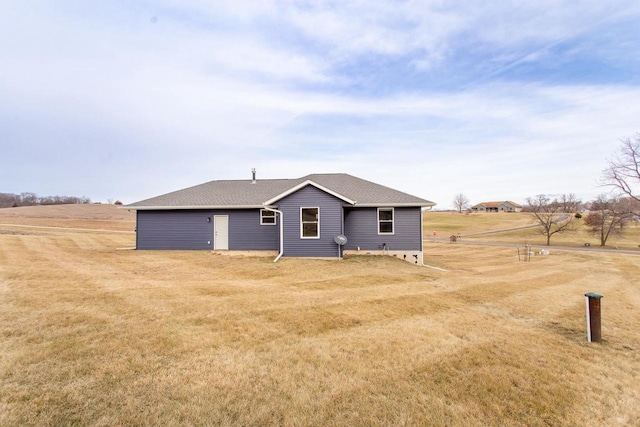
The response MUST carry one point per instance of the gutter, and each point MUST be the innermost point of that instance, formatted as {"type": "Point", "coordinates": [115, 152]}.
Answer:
{"type": "Point", "coordinates": [391, 205]}
{"type": "Point", "coordinates": [190, 207]}
{"type": "Point", "coordinates": [281, 230]}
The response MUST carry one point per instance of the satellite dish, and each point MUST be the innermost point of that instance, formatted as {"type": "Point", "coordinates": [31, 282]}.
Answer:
{"type": "Point", "coordinates": [340, 239]}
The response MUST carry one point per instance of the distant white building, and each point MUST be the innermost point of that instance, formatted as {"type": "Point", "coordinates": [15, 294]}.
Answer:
{"type": "Point", "coordinates": [505, 206]}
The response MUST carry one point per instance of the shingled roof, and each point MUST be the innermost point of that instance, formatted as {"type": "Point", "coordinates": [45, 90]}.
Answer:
{"type": "Point", "coordinates": [238, 194]}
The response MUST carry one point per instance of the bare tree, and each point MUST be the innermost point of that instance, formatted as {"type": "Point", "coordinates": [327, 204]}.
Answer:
{"type": "Point", "coordinates": [608, 216]}
{"type": "Point", "coordinates": [460, 202]}
{"type": "Point", "coordinates": [569, 203]}
{"type": "Point", "coordinates": [550, 215]}
{"type": "Point", "coordinates": [623, 172]}
{"type": "Point", "coordinates": [8, 200]}
{"type": "Point", "coordinates": [28, 198]}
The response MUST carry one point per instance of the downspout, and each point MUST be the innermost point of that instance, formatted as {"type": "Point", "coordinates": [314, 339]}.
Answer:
{"type": "Point", "coordinates": [422, 241]}
{"type": "Point", "coordinates": [281, 231]}
{"type": "Point", "coordinates": [422, 236]}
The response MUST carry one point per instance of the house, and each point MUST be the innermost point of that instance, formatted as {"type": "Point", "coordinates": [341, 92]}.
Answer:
{"type": "Point", "coordinates": [505, 206]}
{"type": "Point", "coordinates": [291, 217]}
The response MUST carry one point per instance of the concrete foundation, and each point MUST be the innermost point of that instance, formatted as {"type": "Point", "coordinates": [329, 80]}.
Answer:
{"type": "Point", "coordinates": [413, 257]}
{"type": "Point", "coordinates": [248, 253]}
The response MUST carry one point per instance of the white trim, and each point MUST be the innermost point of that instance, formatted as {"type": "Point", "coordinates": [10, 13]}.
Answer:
{"type": "Point", "coordinates": [586, 300]}
{"type": "Point", "coordinates": [393, 221]}
{"type": "Point", "coordinates": [301, 223]}
{"type": "Point", "coordinates": [304, 184]}
{"type": "Point", "coordinates": [268, 223]}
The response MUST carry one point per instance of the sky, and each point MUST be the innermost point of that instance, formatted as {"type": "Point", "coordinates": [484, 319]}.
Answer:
{"type": "Point", "coordinates": [501, 100]}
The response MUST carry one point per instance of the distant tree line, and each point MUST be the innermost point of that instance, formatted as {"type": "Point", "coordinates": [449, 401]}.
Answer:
{"type": "Point", "coordinates": [9, 200]}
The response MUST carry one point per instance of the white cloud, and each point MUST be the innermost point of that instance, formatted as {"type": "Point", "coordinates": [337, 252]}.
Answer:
{"type": "Point", "coordinates": [207, 92]}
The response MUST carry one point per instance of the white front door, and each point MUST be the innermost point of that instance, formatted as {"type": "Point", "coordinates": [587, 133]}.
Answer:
{"type": "Point", "coordinates": [220, 232]}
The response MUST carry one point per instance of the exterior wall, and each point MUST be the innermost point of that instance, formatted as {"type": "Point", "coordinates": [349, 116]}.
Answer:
{"type": "Point", "coordinates": [361, 229]}
{"type": "Point", "coordinates": [189, 229]}
{"type": "Point", "coordinates": [173, 230]}
{"type": "Point", "coordinates": [330, 223]}
{"type": "Point", "coordinates": [246, 233]}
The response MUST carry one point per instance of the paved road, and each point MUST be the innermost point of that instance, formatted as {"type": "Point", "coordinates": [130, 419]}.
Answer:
{"type": "Point", "coordinates": [484, 233]}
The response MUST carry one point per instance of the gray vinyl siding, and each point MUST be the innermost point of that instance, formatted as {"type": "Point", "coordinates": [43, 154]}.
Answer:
{"type": "Point", "coordinates": [361, 229]}
{"type": "Point", "coordinates": [330, 223]}
{"type": "Point", "coordinates": [189, 229]}
{"type": "Point", "coordinates": [174, 230]}
{"type": "Point", "coordinates": [246, 233]}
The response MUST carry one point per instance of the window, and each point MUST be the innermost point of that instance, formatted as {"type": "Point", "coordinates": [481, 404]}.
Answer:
{"type": "Point", "coordinates": [385, 220]}
{"type": "Point", "coordinates": [310, 223]}
{"type": "Point", "coordinates": [267, 217]}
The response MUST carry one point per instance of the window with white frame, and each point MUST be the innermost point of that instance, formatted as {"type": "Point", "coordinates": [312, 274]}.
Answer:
{"type": "Point", "coordinates": [267, 217]}
{"type": "Point", "coordinates": [385, 220]}
{"type": "Point", "coordinates": [310, 223]}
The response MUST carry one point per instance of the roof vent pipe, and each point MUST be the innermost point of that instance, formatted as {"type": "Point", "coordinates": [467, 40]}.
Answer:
{"type": "Point", "coordinates": [253, 173]}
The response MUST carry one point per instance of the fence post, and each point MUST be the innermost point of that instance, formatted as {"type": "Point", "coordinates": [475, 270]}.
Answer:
{"type": "Point", "coordinates": [592, 300]}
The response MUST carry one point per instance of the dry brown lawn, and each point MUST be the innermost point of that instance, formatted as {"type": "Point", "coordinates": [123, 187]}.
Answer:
{"type": "Point", "coordinates": [92, 335]}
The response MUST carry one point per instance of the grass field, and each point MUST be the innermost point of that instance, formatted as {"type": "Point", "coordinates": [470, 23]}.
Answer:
{"type": "Point", "coordinates": [93, 335]}
{"type": "Point", "coordinates": [89, 216]}
{"type": "Point", "coordinates": [448, 223]}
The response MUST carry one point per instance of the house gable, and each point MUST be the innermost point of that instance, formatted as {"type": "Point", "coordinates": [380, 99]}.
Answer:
{"type": "Point", "coordinates": [304, 184]}
{"type": "Point", "coordinates": [330, 222]}
{"type": "Point", "coordinates": [511, 206]}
